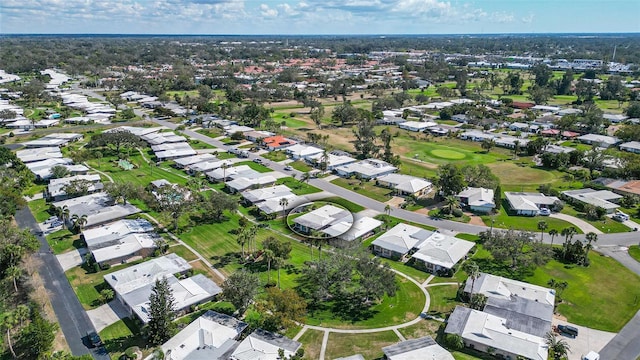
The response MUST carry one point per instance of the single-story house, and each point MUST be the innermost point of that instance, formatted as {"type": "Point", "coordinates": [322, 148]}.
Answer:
{"type": "Point", "coordinates": [256, 135]}
{"type": "Point", "coordinates": [133, 285]}
{"type": "Point", "coordinates": [333, 160]}
{"type": "Point", "coordinates": [206, 166]}
{"type": "Point", "coordinates": [422, 348]}
{"type": "Point", "coordinates": [405, 185]}
{"type": "Point", "coordinates": [55, 191]}
{"type": "Point", "coordinates": [604, 199]}
{"type": "Point", "coordinates": [398, 241]}
{"type": "Point", "coordinates": [223, 174]}
{"type": "Point", "coordinates": [478, 200]}
{"type": "Point", "coordinates": [273, 205]}
{"type": "Point", "coordinates": [489, 333]}
{"type": "Point", "coordinates": [599, 140]}
{"type": "Point", "coordinates": [42, 169]}
{"type": "Point", "coordinates": [631, 146]}
{"type": "Point", "coordinates": [416, 125]}
{"type": "Point", "coordinates": [258, 195]}
{"type": "Point", "coordinates": [251, 182]}
{"type": "Point", "coordinates": [39, 154]}
{"type": "Point", "coordinates": [211, 337]}
{"type": "Point", "coordinates": [184, 162]}
{"type": "Point", "coordinates": [277, 142]}
{"type": "Point", "coordinates": [163, 138]}
{"type": "Point", "coordinates": [518, 126]}
{"type": "Point", "coordinates": [332, 221]}
{"type": "Point", "coordinates": [509, 142]}
{"type": "Point", "coordinates": [556, 149]}
{"type": "Point", "coordinates": [529, 204]}
{"type": "Point", "coordinates": [366, 169]}
{"type": "Point", "coordinates": [175, 153]}
{"type": "Point", "coordinates": [476, 135]}
{"type": "Point", "coordinates": [440, 252]}
{"type": "Point", "coordinates": [362, 228]}
{"type": "Point", "coordinates": [264, 345]}
{"type": "Point", "coordinates": [615, 118]}
{"type": "Point", "coordinates": [98, 207]}
{"type": "Point", "coordinates": [299, 151]}
{"type": "Point", "coordinates": [53, 140]}
{"type": "Point", "coordinates": [461, 118]}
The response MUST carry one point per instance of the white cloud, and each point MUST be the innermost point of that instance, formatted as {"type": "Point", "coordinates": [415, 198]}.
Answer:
{"type": "Point", "coordinates": [528, 19]}
{"type": "Point", "coordinates": [268, 12]}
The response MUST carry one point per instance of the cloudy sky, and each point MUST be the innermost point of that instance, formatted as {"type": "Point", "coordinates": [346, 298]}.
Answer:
{"type": "Point", "coordinates": [318, 16]}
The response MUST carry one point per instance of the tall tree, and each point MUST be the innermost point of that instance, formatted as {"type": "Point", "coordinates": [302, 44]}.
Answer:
{"type": "Point", "coordinates": [366, 136]}
{"type": "Point", "coordinates": [591, 238]}
{"type": "Point", "coordinates": [240, 288]}
{"type": "Point", "coordinates": [542, 226]}
{"type": "Point", "coordinates": [317, 114]}
{"type": "Point", "coordinates": [473, 270]}
{"type": "Point", "coordinates": [558, 348]}
{"type": "Point", "coordinates": [36, 339]}
{"type": "Point", "coordinates": [218, 203]}
{"type": "Point", "coordinates": [553, 233]}
{"type": "Point", "coordinates": [450, 180]}
{"type": "Point", "coordinates": [161, 312]}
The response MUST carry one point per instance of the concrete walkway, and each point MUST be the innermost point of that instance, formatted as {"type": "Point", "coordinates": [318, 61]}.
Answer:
{"type": "Point", "coordinates": [107, 314]}
{"type": "Point", "coordinates": [72, 258]}
{"type": "Point", "coordinates": [581, 224]}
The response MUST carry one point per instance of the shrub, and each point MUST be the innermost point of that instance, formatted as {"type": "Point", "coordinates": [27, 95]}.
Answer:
{"type": "Point", "coordinates": [453, 341]}
{"type": "Point", "coordinates": [457, 213]}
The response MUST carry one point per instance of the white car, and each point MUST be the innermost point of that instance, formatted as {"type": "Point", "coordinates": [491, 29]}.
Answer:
{"type": "Point", "coordinates": [544, 212]}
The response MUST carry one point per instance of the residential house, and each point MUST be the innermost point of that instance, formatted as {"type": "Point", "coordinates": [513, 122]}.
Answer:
{"type": "Point", "coordinates": [184, 162]}
{"type": "Point", "coordinates": [479, 200]}
{"type": "Point", "coordinates": [603, 199]}
{"type": "Point", "coordinates": [476, 135]}
{"type": "Point", "coordinates": [277, 142]}
{"type": "Point", "coordinates": [416, 126]}
{"type": "Point", "coordinates": [212, 336]}
{"type": "Point", "coordinates": [529, 204]}
{"type": "Point", "coordinates": [631, 146]}
{"type": "Point", "coordinates": [158, 138]}
{"type": "Point", "coordinates": [53, 140]}
{"type": "Point", "coordinates": [55, 191]}
{"type": "Point", "coordinates": [333, 160]}
{"type": "Point", "coordinates": [363, 227]}
{"type": "Point", "coordinates": [259, 195]}
{"type": "Point", "coordinates": [556, 149]}
{"type": "Point", "coordinates": [275, 204]}
{"type": "Point", "coordinates": [424, 348]}
{"type": "Point", "coordinates": [397, 242]}
{"type": "Point", "coordinates": [257, 135]}
{"type": "Point", "coordinates": [254, 181]}
{"type": "Point", "coordinates": [42, 169]}
{"type": "Point", "coordinates": [599, 140]}
{"type": "Point", "coordinates": [206, 166]}
{"type": "Point", "coordinates": [440, 253]}
{"type": "Point", "coordinates": [615, 118]}
{"type": "Point", "coordinates": [134, 285]}
{"type": "Point", "coordinates": [39, 154]}
{"type": "Point", "coordinates": [299, 151]}
{"type": "Point", "coordinates": [405, 185]}
{"type": "Point", "coordinates": [326, 221]}
{"type": "Point", "coordinates": [121, 241]}
{"type": "Point", "coordinates": [175, 153]}
{"type": "Point", "coordinates": [518, 126]}
{"type": "Point", "coordinates": [366, 169]}
{"type": "Point", "coordinates": [98, 207]}
{"type": "Point", "coordinates": [461, 118]}
{"type": "Point", "coordinates": [264, 345]}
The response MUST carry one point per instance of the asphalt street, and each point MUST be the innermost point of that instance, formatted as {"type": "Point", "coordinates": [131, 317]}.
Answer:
{"type": "Point", "coordinates": [626, 344]}
{"type": "Point", "coordinates": [72, 318]}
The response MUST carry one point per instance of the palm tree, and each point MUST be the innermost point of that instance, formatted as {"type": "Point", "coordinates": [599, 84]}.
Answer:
{"type": "Point", "coordinates": [63, 214]}
{"type": "Point", "coordinates": [542, 226]}
{"type": "Point", "coordinates": [324, 160]}
{"type": "Point", "coordinates": [21, 313]}
{"type": "Point", "coordinates": [591, 238]}
{"type": "Point", "coordinates": [14, 273]}
{"type": "Point", "coordinates": [488, 144]}
{"type": "Point", "coordinates": [451, 202]}
{"type": "Point", "coordinates": [269, 257]}
{"type": "Point", "coordinates": [553, 233]}
{"type": "Point", "coordinates": [516, 148]}
{"type": "Point", "coordinates": [284, 202]}
{"type": "Point", "coordinates": [8, 323]}
{"type": "Point", "coordinates": [387, 209]}
{"type": "Point", "coordinates": [305, 177]}
{"type": "Point", "coordinates": [224, 167]}
{"type": "Point", "coordinates": [79, 222]}
{"type": "Point", "coordinates": [558, 348]}
{"type": "Point", "coordinates": [473, 270]}
{"type": "Point", "coordinates": [242, 239]}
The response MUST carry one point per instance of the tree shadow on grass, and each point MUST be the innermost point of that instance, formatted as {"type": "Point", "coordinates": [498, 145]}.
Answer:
{"type": "Point", "coordinates": [502, 269]}
{"type": "Point", "coordinates": [226, 259]}
{"type": "Point", "coordinates": [120, 344]}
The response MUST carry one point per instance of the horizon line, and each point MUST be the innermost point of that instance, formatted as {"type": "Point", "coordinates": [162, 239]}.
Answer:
{"type": "Point", "coordinates": [344, 34]}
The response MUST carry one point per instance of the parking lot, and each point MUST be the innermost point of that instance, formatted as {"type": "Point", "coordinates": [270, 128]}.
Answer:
{"type": "Point", "coordinates": [587, 339]}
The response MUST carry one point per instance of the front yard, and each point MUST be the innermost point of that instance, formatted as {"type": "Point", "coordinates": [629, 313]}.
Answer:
{"type": "Point", "coordinates": [366, 188]}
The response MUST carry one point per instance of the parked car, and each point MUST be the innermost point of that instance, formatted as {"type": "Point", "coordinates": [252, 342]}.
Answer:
{"type": "Point", "coordinates": [568, 330]}
{"type": "Point", "coordinates": [544, 212]}
{"type": "Point", "coordinates": [51, 219]}
{"type": "Point", "coordinates": [288, 168]}
{"type": "Point", "coordinates": [257, 161]}
{"type": "Point", "coordinates": [621, 217]}
{"type": "Point", "coordinates": [94, 339]}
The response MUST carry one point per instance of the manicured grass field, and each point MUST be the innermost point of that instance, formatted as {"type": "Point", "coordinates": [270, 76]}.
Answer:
{"type": "Point", "coordinates": [275, 156]}
{"type": "Point", "coordinates": [197, 144]}
{"type": "Point", "coordinates": [255, 166]}
{"type": "Point", "coordinates": [442, 151]}
{"type": "Point", "coordinates": [301, 166]}
{"type": "Point", "coordinates": [39, 208]}
{"type": "Point", "coordinates": [529, 223]}
{"type": "Point", "coordinates": [63, 241]}
{"type": "Point", "coordinates": [366, 188]}
{"type": "Point", "coordinates": [443, 299]}
{"type": "Point", "coordinates": [311, 342]}
{"type": "Point", "coordinates": [405, 306]}
{"type": "Point", "coordinates": [183, 252]}
{"type": "Point", "coordinates": [634, 252]}
{"type": "Point", "coordinates": [298, 187]}
{"type": "Point", "coordinates": [121, 335]}
{"type": "Point", "coordinates": [142, 174]}
{"type": "Point", "coordinates": [369, 345]}
{"type": "Point", "coordinates": [606, 225]}
{"type": "Point", "coordinates": [513, 174]}
{"type": "Point", "coordinates": [423, 328]}
{"type": "Point", "coordinates": [354, 208]}
{"type": "Point", "coordinates": [418, 275]}
{"type": "Point", "coordinates": [603, 296]}
{"type": "Point", "coordinates": [447, 154]}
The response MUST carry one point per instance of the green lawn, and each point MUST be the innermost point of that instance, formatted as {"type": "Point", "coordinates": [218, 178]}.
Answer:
{"type": "Point", "coordinates": [39, 208]}
{"type": "Point", "coordinates": [366, 188]}
{"type": "Point", "coordinates": [529, 223]}
{"type": "Point", "coordinates": [606, 225]}
{"type": "Point", "coordinates": [443, 299]}
{"type": "Point", "coordinates": [34, 189]}
{"type": "Point", "coordinates": [444, 150]}
{"type": "Point", "coordinates": [142, 174]}
{"type": "Point", "coordinates": [634, 252]}
{"type": "Point", "coordinates": [301, 166]}
{"type": "Point", "coordinates": [520, 176]}
{"type": "Point", "coordinates": [63, 241]}
{"type": "Point", "coordinates": [423, 328]}
{"type": "Point", "coordinates": [418, 275]}
{"type": "Point", "coordinates": [603, 296]}
{"type": "Point", "coordinates": [275, 156]}
{"type": "Point", "coordinates": [311, 342]}
{"type": "Point", "coordinates": [213, 132]}
{"type": "Point", "coordinates": [183, 252]}
{"type": "Point", "coordinates": [298, 187]}
{"type": "Point", "coordinates": [369, 345]}
{"type": "Point", "coordinates": [255, 166]}
{"type": "Point", "coordinates": [405, 306]}
{"type": "Point", "coordinates": [121, 335]}
{"type": "Point", "coordinates": [354, 208]}
{"type": "Point", "coordinates": [197, 144]}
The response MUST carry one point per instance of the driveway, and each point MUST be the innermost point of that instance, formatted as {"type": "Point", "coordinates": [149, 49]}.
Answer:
{"type": "Point", "coordinates": [107, 314]}
{"type": "Point", "coordinates": [587, 340]}
{"type": "Point", "coordinates": [581, 224]}
{"type": "Point", "coordinates": [72, 258]}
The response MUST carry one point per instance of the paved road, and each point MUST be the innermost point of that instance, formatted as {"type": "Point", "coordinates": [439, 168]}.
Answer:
{"type": "Point", "coordinates": [625, 345]}
{"type": "Point", "coordinates": [72, 318]}
{"type": "Point", "coordinates": [621, 253]}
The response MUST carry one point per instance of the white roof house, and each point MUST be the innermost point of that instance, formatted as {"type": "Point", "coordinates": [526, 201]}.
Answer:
{"type": "Point", "coordinates": [233, 172]}
{"type": "Point", "coordinates": [406, 184]}
{"type": "Point", "coordinates": [504, 288]}
{"type": "Point", "coordinates": [333, 160]}
{"type": "Point", "coordinates": [529, 203]}
{"type": "Point", "coordinates": [190, 160]}
{"type": "Point", "coordinates": [631, 146]}
{"type": "Point", "coordinates": [599, 198]}
{"type": "Point", "coordinates": [116, 230]}
{"type": "Point", "coordinates": [264, 345]}
{"type": "Point", "coordinates": [133, 285]}
{"type": "Point", "coordinates": [416, 125]}
{"type": "Point", "coordinates": [120, 240]}
{"type": "Point", "coordinates": [362, 226]}
{"type": "Point", "coordinates": [56, 187]}
{"type": "Point", "coordinates": [477, 199]}
{"type": "Point", "coordinates": [157, 138]}
{"type": "Point", "coordinates": [484, 331]}
{"type": "Point", "coordinates": [138, 131]}
{"type": "Point", "coordinates": [598, 140]}
{"type": "Point", "coordinates": [42, 169]}
{"type": "Point", "coordinates": [328, 219]}
{"type": "Point", "coordinates": [258, 195]}
{"type": "Point", "coordinates": [39, 154]}
{"type": "Point", "coordinates": [399, 240]}
{"type": "Point", "coordinates": [272, 205]}
{"type": "Point", "coordinates": [203, 167]}
{"type": "Point", "coordinates": [441, 252]}
{"type": "Point", "coordinates": [366, 169]}
{"type": "Point", "coordinates": [51, 140]}
{"type": "Point", "coordinates": [209, 337]}
{"type": "Point", "coordinates": [98, 207]}
{"type": "Point", "coordinates": [250, 182]}
{"type": "Point", "coordinates": [424, 348]}
{"type": "Point", "coordinates": [299, 151]}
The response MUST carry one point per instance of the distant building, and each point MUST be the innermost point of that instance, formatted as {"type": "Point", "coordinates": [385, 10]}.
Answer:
{"type": "Point", "coordinates": [366, 169]}
{"type": "Point", "coordinates": [603, 199]}
{"type": "Point", "coordinates": [599, 140]}
{"type": "Point", "coordinates": [405, 185]}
